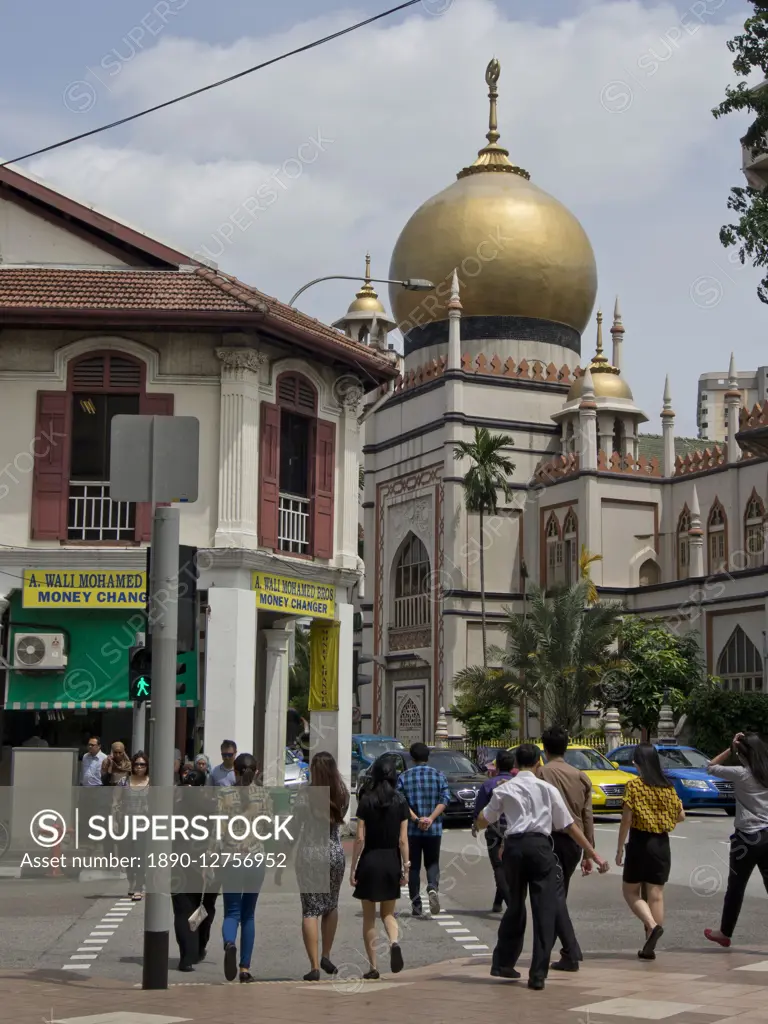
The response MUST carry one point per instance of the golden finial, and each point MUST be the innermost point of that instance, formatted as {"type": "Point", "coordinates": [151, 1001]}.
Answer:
{"type": "Point", "coordinates": [367, 289]}
{"type": "Point", "coordinates": [367, 268]}
{"type": "Point", "coordinates": [493, 157]}
{"type": "Point", "coordinates": [600, 363]}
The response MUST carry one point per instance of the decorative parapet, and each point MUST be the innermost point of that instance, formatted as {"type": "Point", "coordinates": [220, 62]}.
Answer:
{"type": "Point", "coordinates": [628, 465]}
{"type": "Point", "coordinates": [493, 367]}
{"type": "Point", "coordinates": [557, 469]}
{"type": "Point", "coordinates": [409, 639]}
{"type": "Point", "coordinates": [700, 462]}
{"type": "Point", "coordinates": [758, 417]}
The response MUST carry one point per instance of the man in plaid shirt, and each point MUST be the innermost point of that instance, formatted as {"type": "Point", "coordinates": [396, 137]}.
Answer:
{"type": "Point", "coordinates": [427, 793]}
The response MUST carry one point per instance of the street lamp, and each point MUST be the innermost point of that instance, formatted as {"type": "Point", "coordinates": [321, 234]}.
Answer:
{"type": "Point", "coordinates": [414, 284]}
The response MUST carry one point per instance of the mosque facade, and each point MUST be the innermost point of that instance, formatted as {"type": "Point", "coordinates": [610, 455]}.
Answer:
{"type": "Point", "coordinates": [506, 340]}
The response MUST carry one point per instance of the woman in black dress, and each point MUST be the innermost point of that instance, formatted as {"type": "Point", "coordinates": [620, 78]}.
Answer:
{"type": "Point", "coordinates": [380, 859]}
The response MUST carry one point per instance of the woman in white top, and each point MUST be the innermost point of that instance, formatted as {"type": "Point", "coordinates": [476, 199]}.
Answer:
{"type": "Point", "coordinates": [749, 842]}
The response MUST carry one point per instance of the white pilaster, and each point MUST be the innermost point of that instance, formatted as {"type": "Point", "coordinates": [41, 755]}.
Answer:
{"type": "Point", "coordinates": [230, 668]}
{"type": "Point", "coordinates": [605, 433]}
{"type": "Point", "coordinates": [696, 535]}
{"type": "Point", "coordinates": [349, 511]}
{"type": "Point", "coordinates": [668, 431]}
{"type": "Point", "coordinates": [276, 706]}
{"type": "Point", "coordinates": [332, 730]}
{"type": "Point", "coordinates": [588, 424]}
{"type": "Point", "coordinates": [238, 448]}
{"type": "Point", "coordinates": [732, 405]}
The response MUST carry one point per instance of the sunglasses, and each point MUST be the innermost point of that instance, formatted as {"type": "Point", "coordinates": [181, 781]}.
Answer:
{"type": "Point", "coordinates": [140, 764]}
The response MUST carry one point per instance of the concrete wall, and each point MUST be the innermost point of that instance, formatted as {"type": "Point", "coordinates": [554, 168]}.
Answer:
{"type": "Point", "coordinates": [28, 238]}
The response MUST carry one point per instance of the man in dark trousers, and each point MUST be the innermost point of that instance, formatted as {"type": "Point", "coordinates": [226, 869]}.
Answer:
{"type": "Point", "coordinates": [427, 794]}
{"type": "Point", "coordinates": [533, 809]}
{"type": "Point", "coordinates": [494, 834]}
{"type": "Point", "coordinates": [576, 790]}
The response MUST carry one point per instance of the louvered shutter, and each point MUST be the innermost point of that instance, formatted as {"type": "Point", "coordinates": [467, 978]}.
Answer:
{"type": "Point", "coordinates": [150, 405]}
{"type": "Point", "coordinates": [50, 471]}
{"type": "Point", "coordinates": [324, 474]}
{"type": "Point", "coordinates": [269, 475]}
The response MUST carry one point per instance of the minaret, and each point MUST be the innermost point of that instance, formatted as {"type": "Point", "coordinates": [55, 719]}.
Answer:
{"type": "Point", "coordinates": [617, 333]}
{"type": "Point", "coordinates": [732, 406]}
{"type": "Point", "coordinates": [366, 320]}
{"type": "Point", "coordinates": [454, 326]}
{"type": "Point", "coordinates": [604, 422]}
{"type": "Point", "coordinates": [668, 431]}
{"type": "Point", "coordinates": [696, 536]}
{"type": "Point", "coordinates": [588, 424]}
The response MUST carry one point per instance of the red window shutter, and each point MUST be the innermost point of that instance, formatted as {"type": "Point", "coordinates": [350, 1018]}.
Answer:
{"type": "Point", "coordinates": [325, 464]}
{"type": "Point", "coordinates": [151, 404]}
{"type": "Point", "coordinates": [269, 475]}
{"type": "Point", "coordinates": [50, 477]}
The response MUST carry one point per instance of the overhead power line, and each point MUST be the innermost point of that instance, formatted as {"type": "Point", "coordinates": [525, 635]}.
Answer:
{"type": "Point", "coordinates": [214, 85]}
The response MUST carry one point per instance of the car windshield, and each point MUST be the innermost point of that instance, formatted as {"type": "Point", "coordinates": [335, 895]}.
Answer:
{"type": "Point", "coordinates": [290, 757]}
{"type": "Point", "coordinates": [588, 760]}
{"type": "Point", "coordinates": [677, 758]}
{"type": "Point", "coordinates": [450, 763]}
{"type": "Point", "coordinates": [375, 748]}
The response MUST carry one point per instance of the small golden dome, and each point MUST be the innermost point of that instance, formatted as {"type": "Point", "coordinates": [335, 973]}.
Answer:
{"type": "Point", "coordinates": [606, 379]}
{"type": "Point", "coordinates": [366, 300]}
{"type": "Point", "coordinates": [519, 252]}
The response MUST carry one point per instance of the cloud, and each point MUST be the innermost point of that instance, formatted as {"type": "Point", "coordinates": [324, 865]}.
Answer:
{"type": "Point", "coordinates": [609, 109]}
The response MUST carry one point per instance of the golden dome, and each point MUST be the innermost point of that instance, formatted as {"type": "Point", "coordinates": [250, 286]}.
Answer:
{"type": "Point", "coordinates": [519, 252]}
{"type": "Point", "coordinates": [366, 300]}
{"type": "Point", "coordinates": [606, 379]}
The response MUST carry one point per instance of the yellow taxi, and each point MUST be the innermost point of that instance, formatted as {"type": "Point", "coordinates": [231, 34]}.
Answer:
{"type": "Point", "coordinates": [608, 782]}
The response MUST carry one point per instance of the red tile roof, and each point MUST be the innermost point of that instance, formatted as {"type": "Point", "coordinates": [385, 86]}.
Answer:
{"type": "Point", "coordinates": [200, 290]}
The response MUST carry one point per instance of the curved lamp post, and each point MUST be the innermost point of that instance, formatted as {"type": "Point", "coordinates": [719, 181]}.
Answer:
{"type": "Point", "coordinates": [415, 284]}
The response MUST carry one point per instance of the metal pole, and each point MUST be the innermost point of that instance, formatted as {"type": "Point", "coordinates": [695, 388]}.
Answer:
{"type": "Point", "coordinates": [163, 625]}
{"type": "Point", "coordinates": [344, 277]}
{"type": "Point", "coordinates": [139, 741]}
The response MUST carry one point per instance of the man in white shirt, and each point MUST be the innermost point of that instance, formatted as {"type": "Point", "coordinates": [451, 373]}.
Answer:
{"type": "Point", "coordinates": [90, 768]}
{"type": "Point", "coordinates": [532, 809]}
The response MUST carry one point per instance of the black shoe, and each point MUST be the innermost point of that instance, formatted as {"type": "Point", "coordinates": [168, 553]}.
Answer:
{"type": "Point", "coordinates": [569, 966]}
{"type": "Point", "coordinates": [185, 966]}
{"type": "Point", "coordinates": [497, 908]}
{"type": "Point", "coordinates": [650, 942]}
{"type": "Point", "coordinates": [417, 912]}
{"type": "Point", "coordinates": [230, 961]}
{"type": "Point", "coordinates": [328, 967]}
{"type": "Point", "coordinates": [395, 958]}
{"type": "Point", "coordinates": [246, 978]}
{"type": "Point", "coordinates": [312, 976]}
{"type": "Point", "coordinates": [642, 955]}
{"type": "Point", "coordinates": [537, 984]}
{"type": "Point", "coordinates": [372, 975]}
{"type": "Point", "coordinates": [505, 972]}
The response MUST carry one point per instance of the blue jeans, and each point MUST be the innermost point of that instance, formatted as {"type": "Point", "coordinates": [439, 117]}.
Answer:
{"type": "Point", "coordinates": [240, 909]}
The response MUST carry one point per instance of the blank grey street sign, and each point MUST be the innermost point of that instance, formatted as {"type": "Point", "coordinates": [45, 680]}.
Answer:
{"type": "Point", "coordinates": [154, 458]}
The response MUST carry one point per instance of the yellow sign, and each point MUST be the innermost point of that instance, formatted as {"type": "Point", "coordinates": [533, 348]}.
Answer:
{"type": "Point", "coordinates": [324, 666]}
{"type": "Point", "coordinates": [293, 597]}
{"type": "Point", "coordinates": [77, 589]}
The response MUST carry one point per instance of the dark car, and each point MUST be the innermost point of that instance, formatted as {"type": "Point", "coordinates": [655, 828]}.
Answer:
{"type": "Point", "coordinates": [464, 779]}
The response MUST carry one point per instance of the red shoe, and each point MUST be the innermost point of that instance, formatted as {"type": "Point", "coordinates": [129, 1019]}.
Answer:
{"type": "Point", "coordinates": [709, 934]}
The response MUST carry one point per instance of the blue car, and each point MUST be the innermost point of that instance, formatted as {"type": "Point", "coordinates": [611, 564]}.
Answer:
{"type": "Point", "coordinates": [686, 767]}
{"type": "Point", "coordinates": [366, 747]}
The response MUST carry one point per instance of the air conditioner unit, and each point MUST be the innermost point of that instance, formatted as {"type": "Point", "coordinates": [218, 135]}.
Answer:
{"type": "Point", "coordinates": [39, 652]}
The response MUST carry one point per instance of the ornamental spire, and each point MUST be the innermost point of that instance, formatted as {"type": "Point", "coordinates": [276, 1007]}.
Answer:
{"type": "Point", "coordinates": [493, 157]}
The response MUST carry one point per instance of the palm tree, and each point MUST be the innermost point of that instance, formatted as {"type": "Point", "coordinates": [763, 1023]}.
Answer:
{"type": "Point", "coordinates": [483, 480]}
{"type": "Point", "coordinates": [585, 560]}
{"type": "Point", "coordinates": [298, 673]}
{"type": "Point", "coordinates": [555, 655]}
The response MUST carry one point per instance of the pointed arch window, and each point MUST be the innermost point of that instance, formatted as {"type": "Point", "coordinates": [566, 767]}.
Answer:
{"type": "Point", "coordinates": [555, 553]}
{"type": "Point", "coordinates": [412, 605]}
{"type": "Point", "coordinates": [740, 666]}
{"type": "Point", "coordinates": [754, 540]}
{"type": "Point", "coordinates": [571, 546]}
{"type": "Point", "coordinates": [717, 540]}
{"type": "Point", "coordinates": [649, 573]}
{"type": "Point", "coordinates": [683, 545]}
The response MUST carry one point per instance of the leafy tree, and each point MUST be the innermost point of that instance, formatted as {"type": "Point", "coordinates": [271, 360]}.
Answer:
{"type": "Point", "coordinates": [298, 674]}
{"type": "Point", "coordinates": [716, 715]}
{"type": "Point", "coordinates": [750, 232]}
{"type": "Point", "coordinates": [483, 722]}
{"type": "Point", "coordinates": [654, 660]}
{"type": "Point", "coordinates": [585, 560]}
{"type": "Point", "coordinates": [556, 655]}
{"type": "Point", "coordinates": [483, 480]}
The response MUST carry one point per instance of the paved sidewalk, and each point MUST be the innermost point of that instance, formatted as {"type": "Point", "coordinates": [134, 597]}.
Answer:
{"type": "Point", "coordinates": [703, 986]}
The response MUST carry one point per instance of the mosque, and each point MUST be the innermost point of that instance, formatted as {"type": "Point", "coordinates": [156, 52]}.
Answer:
{"type": "Point", "coordinates": [503, 341]}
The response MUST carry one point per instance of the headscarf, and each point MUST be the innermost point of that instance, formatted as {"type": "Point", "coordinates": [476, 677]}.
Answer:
{"type": "Point", "coordinates": [120, 760]}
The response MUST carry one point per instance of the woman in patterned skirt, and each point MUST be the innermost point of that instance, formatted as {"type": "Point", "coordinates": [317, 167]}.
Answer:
{"type": "Point", "coordinates": [320, 811]}
{"type": "Point", "coordinates": [652, 809]}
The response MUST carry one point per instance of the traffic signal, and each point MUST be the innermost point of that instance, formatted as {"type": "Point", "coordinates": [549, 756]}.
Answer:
{"type": "Point", "coordinates": [186, 579]}
{"type": "Point", "coordinates": [139, 674]}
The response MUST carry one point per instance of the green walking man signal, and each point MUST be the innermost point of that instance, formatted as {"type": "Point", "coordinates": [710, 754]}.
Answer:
{"type": "Point", "coordinates": [140, 675]}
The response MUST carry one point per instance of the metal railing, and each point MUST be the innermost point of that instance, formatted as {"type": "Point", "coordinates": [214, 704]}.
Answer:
{"type": "Point", "coordinates": [411, 612]}
{"type": "Point", "coordinates": [470, 748]}
{"type": "Point", "coordinates": [93, 515]}
{"type": "Point", "coordinates": [293, 524]}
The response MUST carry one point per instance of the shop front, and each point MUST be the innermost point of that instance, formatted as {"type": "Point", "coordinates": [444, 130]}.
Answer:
{"type": "Point", "coordinates": [69, 634]}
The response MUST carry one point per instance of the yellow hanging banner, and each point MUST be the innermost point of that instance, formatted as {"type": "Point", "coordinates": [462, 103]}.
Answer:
{"type": "Point", "coordinates": [324, 666]}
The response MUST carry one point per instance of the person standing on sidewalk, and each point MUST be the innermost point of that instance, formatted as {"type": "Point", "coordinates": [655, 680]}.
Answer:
{"type": "Point", "coordinates": [427, 795]}
{"type": "Point", "coordinates": [93, 758]}
{"type": "Point", "coordinates": [749, 842]}
{"type": "Point", "coordinates": [533, 809]}
{"type": "Point", "coordinates": [494, 834]}
{"type": "Point", "coordinates": [224, 774]}
{"type": "Point", "coordinates": [576, 790]}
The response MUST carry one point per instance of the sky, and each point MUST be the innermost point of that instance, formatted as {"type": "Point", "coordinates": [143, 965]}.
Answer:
{"type": "Point", "coordinates": [607, 103]}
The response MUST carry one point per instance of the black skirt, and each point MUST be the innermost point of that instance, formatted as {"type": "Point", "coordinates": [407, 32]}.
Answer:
{"type": "Point", "coordinates": [647, 858]}
{"type": "Point", "coordinates": [378, 876]}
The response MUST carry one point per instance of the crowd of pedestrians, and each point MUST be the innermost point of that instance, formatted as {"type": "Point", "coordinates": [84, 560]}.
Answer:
{"type": "Point", "coordinates": [535, 814]}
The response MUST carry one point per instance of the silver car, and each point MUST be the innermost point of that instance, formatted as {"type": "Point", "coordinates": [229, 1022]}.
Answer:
{"type": "Point", "coordinates": [296, 774]}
